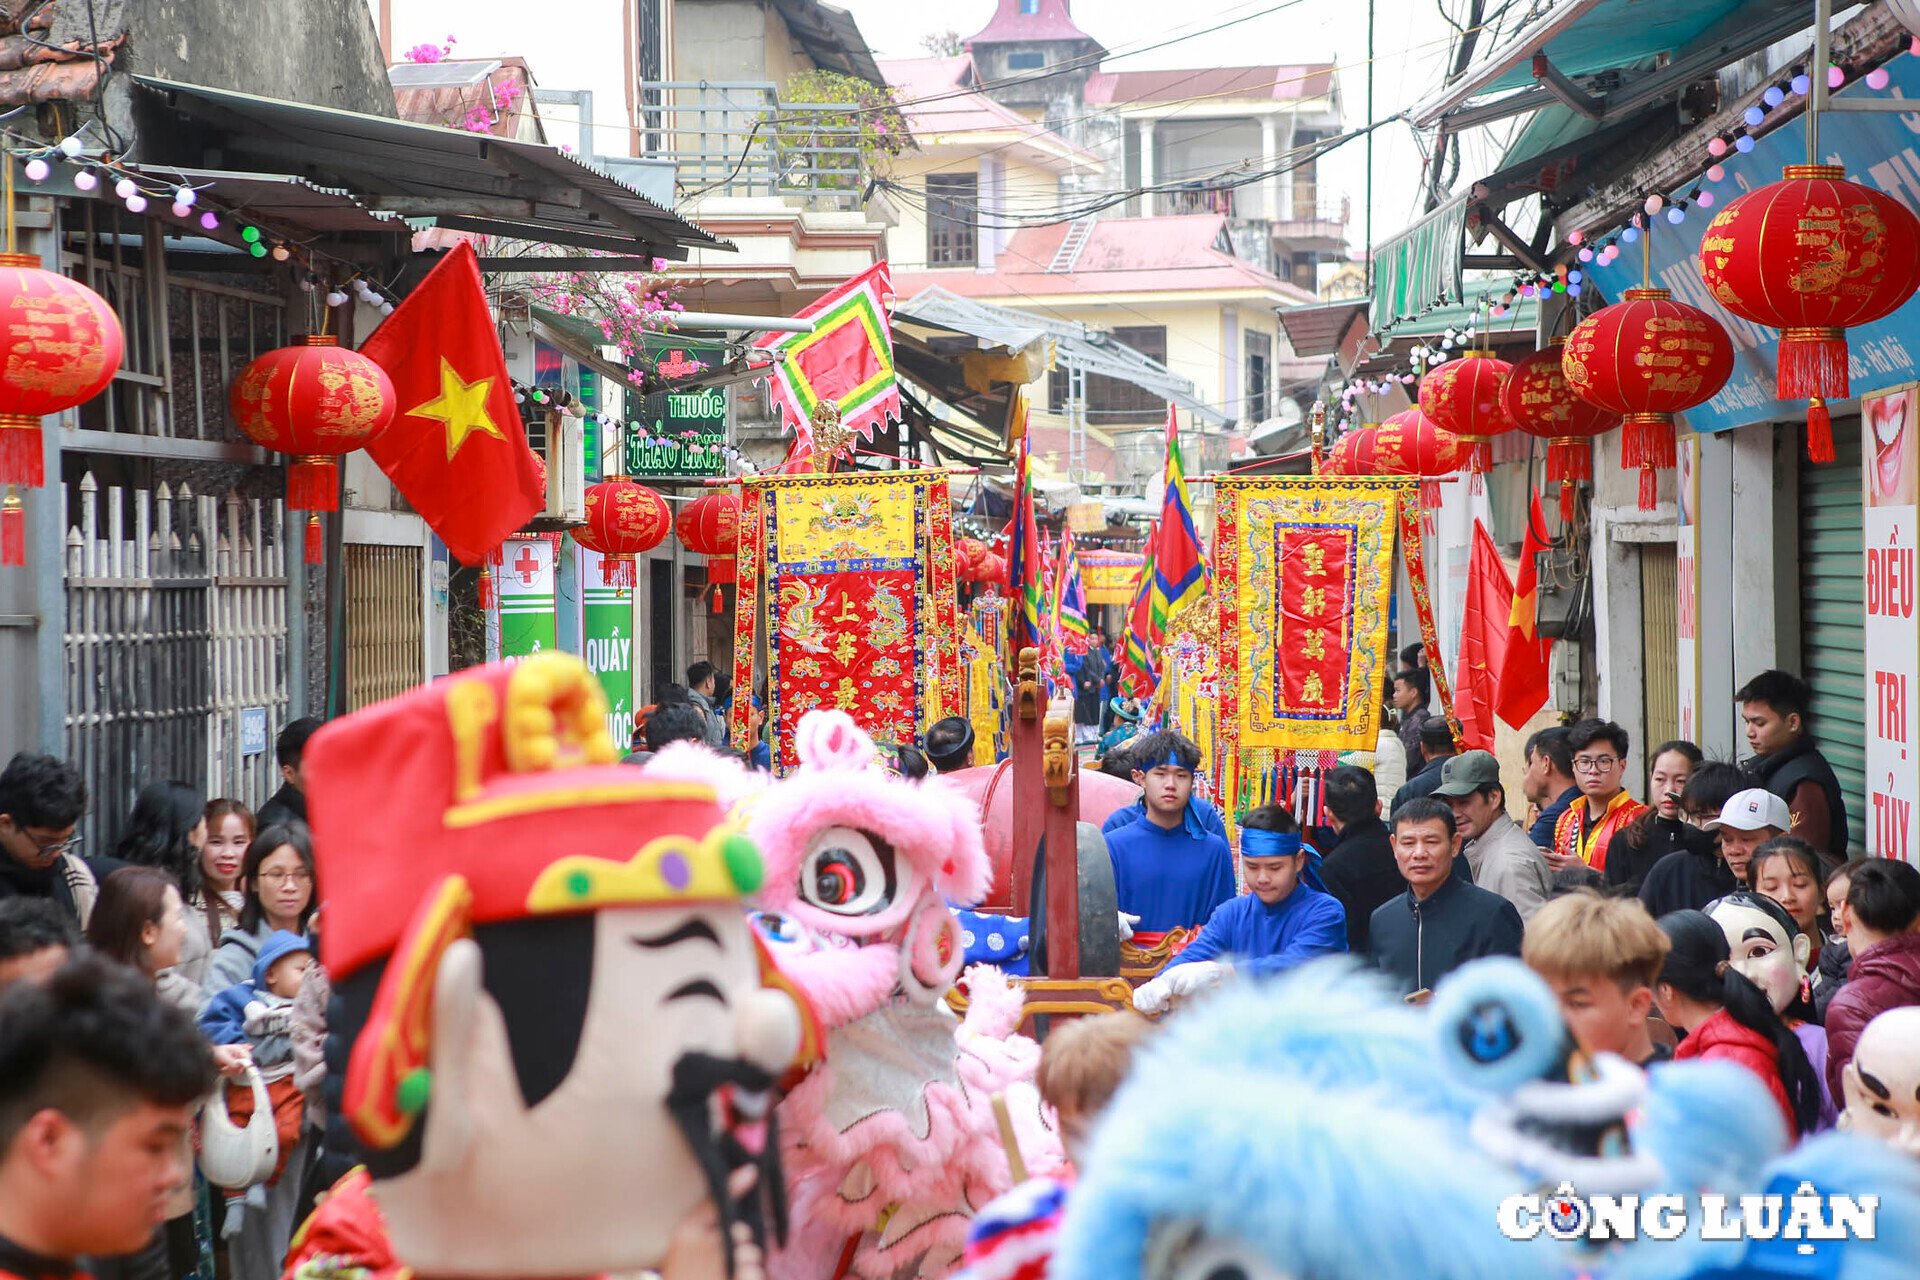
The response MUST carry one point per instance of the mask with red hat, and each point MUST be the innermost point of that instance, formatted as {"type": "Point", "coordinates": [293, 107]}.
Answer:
{"type": "Point", "coordinates": [558, 1031]}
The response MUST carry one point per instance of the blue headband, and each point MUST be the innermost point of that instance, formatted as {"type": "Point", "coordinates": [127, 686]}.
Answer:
{"type": "Point", "coordinates": [1173, 761]}
{"type": "Point", "coordinates": [1268, 844]}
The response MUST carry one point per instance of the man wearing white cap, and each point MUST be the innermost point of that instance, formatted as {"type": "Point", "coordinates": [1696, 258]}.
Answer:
{"type": "Point", "coordinates": [1748, 820]}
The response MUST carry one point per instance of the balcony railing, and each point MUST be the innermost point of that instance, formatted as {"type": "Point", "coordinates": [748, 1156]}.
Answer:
{"type": "Point", "coordinates": [1197, 199]}
{"type": "Point", "coordinates": [736, 138]}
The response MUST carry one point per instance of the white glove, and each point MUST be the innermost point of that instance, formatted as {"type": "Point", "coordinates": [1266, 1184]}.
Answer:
{"type": "Point", "coordinates": [1179, 982]}
{"type": "Point", "coordinates": [1127, 922]}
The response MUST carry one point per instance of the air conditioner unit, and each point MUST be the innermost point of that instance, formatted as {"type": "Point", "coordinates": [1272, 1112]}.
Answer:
{"type": "Point", "coordinates": [566, 469]}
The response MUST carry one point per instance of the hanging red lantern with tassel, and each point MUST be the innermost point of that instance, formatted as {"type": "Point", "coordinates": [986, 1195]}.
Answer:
{"type": "Point", "coordinates": [1409, 444]}
{"type": "Point", "coordinates": [1647, 358]}
{"type": "Point", "coordinates": [1463, 399]}
{"type": "Point", "coordinates": [317, 401]}
{"type": "Point", "coordinates": [710, 526]}
{"type": "Point", "coordinates": [624, 519]}
{"type": "Point", "coordinates": [1812, 255]}
{"type": "Point", "coordinates": [62, 345]}
{"type": "Point", "coordinates": [1539, 402]}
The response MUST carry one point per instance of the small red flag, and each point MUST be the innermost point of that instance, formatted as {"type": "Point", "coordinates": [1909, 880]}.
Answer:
{"type": "Point", "coordinates": [1483, 637]}
{"type": "Point", "coordinates": [456, 448]}
{"type": "Point", "coordinates": [1523, 685]}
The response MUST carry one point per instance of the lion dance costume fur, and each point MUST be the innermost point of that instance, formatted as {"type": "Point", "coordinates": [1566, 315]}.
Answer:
{"type": "Point", "coordinates": [891, 1144]}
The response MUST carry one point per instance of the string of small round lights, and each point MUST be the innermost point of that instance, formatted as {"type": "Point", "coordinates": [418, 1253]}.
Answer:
{"type": "Point", "coordinates": [547, 398]}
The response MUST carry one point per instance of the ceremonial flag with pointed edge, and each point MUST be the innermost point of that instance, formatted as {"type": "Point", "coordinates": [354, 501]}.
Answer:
{"type": "Point", "coordinates": [1026, 566]}
{"type": "Point", "coordinates": [1137, 673]}
{"type": "Point", "coordinates": [456, 448]}
{"type": "Point", "coordinates": [1069, 598]}
{"type": "Point", "coordinates": [1524, 681]}
{"type": "Point", "coordinates": [1483, 637]}
{"type": "Point", "coordinates": [1180, 574]}
{"type": "Point", "coordinates": [847, 358]}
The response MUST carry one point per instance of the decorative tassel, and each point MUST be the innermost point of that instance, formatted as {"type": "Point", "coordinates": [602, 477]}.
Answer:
{"type": "Point", "coordinates": [1479, 454]}
{"type": "Point", "coordinates": [718, 607]}
{"type": "Point", "coordinates": [316, 541]}
{"type": "Point", "coordinates": [1567, 495]}
{"type": "Point", "coordinates": [21, 460]}
{"type": "Point", "coordinates": [13, 530]}
{"type": "Point", "coordinates": [1819, 431]}
{"type": "Point", "coordinates": [489, 597]}
{"type": "Point", "coordinates": [618, 570]}
{"type": "Point", "coordinates": [1812, 364]}
{"type": "Point", "coordinates": [313, 484]}
{"type": "Point", "coordinates": [1649, 488]}
{"type": "Point", "coordinates": [1569, 458]}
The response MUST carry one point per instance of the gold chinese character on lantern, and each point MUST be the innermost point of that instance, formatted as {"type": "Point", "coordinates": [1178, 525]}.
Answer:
{"type": "Point", "coordinates": [1313, 601]}
{"type": "Point", "coordinates": [1316, 557]}
{"type": "Point", "coordinates": [1311, 689]}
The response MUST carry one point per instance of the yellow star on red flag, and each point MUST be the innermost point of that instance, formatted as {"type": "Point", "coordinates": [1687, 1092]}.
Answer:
{"type": "Point", "coordinates": [461, 406]}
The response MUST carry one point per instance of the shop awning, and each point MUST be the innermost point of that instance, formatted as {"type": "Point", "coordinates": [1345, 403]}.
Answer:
{"type": "Point", "coordinates": [1421, 266]}
{"type": "Point", "coordinates": [460, 180]}
{"type": "Point", "coordinates": [1321, 328]}
{"type": "Point", "coordinates": [1583, 53]}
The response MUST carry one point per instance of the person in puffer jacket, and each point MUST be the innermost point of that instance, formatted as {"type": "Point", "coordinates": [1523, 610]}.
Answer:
{"type": "Point", "coordinates": [260, 1012]}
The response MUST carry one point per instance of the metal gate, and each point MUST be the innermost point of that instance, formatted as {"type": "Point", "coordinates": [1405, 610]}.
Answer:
{"type": "Point", "coordinates": [1833, 615]}
{"type": "Point", "coordinates": [386, 640]}
{"type": "Point", "coordinates": [1660, 656]}
{"type": "Point", "coordinates": [176, 645]}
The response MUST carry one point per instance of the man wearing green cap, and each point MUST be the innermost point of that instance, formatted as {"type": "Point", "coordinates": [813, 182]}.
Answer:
{"type": "Point", "coordinates": [1503, 857]}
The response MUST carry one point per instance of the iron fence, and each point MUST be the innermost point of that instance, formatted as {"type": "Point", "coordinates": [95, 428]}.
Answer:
{"type": "Point", "coordinates": [736, 138]}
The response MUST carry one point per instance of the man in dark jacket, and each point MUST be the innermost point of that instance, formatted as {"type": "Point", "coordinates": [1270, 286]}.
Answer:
{"type": "Point", "coordinates": [1358, 867]}
{"type": "Point", "coordinates": [1883, 906]}
{"type": "Point", "coordinates": [1410, 694]}
{"type": "Point", "coordinates": [1436, 741]}
{"type": "Point", "coordinates": [1775, 706]}
{"type": "Point", "coordinates": [1442, 920]}
{"type": "Point", "coordinates": [41, 800]}
{"type": "Point", "coordinates": [289, 803]}
{"type": "Point", "coordinates": [1549, 783]}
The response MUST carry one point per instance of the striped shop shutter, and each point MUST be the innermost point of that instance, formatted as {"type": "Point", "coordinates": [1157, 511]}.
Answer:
{"type": "Point", "coordinates": [1833, 614]}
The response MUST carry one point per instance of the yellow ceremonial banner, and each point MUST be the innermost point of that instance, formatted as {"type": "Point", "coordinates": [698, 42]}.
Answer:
{"type": "Point", "coordinates": [1110, 577]}
{"type": "Point", "coordinates": [839, 518]}
{"type": "Point", "coordinates": [1304, 570]}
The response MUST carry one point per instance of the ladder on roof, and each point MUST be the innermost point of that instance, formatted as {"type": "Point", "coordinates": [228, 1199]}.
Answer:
{"type": "Point", "coordinates": [1072, 244]}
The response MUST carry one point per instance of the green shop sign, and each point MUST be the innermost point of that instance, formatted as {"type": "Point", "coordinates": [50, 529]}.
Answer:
{"type": "Point", "coordinates": [680, 433]}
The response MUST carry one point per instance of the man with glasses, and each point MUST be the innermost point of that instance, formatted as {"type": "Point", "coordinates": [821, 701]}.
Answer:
{"type": "Point", "coordinates": [41, 800]}
{"type": "Point", "coordinates": [1586, 830]}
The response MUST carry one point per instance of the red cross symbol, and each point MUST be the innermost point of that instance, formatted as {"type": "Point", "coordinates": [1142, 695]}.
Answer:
{"type": "Point", "coordinates": [526, 565]}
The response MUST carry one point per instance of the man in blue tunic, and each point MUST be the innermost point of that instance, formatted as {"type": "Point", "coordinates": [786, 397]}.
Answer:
{"type": "Point", "coordinates": [1168, 869]}
{"type": "Point", "coordinates": [1286, 918]}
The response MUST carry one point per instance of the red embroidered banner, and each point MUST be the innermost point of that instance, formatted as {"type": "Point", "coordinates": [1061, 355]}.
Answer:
{"type": "Point", "coordinates": [1415, 552]}
{"type": "Point", "coordinates": [1316, 599]}
{"type": "Point", "coordinates": [846, 641]}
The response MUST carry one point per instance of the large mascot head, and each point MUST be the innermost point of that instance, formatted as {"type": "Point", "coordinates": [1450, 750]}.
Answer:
{"type": "Point", "coordinates": [553, 1029]}
{"type": "Point", "coordinates": [865, 862]}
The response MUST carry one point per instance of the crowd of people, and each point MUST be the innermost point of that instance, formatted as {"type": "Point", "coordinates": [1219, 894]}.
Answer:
{"type": "Point", "coordinates": [1722, 920]}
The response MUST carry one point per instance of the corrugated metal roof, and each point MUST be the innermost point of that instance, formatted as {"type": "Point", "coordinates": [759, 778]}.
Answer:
{"type": "Point", "coordinates": [1214, 84]}
{"type": "Point", "coordinates": [465, 181]}
{"type": "Point", "coordinates": [284, 200]}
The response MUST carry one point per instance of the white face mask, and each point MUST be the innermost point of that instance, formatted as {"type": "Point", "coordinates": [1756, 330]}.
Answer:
{"type": "Point", "coordinates": [1761, 950]}
{"type": "Point", "coordinates": [1881, 1084]}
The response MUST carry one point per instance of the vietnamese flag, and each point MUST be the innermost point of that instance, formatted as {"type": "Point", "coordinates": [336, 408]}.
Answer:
{"type": "Point", "coordinates": [1523, 684]}
{"type": "Point", "coordinates": [1483, 638]}
{"type": "Point", "coordinates": [456, 448]}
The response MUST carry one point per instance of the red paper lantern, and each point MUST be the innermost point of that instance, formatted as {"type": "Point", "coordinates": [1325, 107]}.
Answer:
{"type": "Point", "coordinates": [710, 526]}
{"type": "Point", "coordinates": [1406, 444]}
{"type": "Point", "coordinates": [63, 344]}
{"type": "Point", "coordinates": [972, 560]}
{"type": "Point", "coordinates": [1812, 255]}
{"type": "Point", "coordinates": [1538, 401]}
{"type": "Point", "coordinates": [1647, 358]}
{"type": "Point", "coordinates": [624, 519]}
{"type": "Point", "coordinates": [316, 401]}
{"type": "Point", "coordinates": [1463, 398]}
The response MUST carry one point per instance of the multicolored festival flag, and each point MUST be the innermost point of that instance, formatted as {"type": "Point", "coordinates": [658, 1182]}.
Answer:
{"type": "Point", "coordinates": [1070, 626]}
{"type": "Point", "coordinates": [1026, 565]}
{"type": "Point", "coordinates": [1180, 574]}
{"type": "Point", "coordinates": [848, 358]}
{"type": "Point", "coordinates": [1138, 673]}
{"type": "Point", "coordinates": [1524, 680]}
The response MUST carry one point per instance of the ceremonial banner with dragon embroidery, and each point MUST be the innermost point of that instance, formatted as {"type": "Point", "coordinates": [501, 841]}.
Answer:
{"type": "Point", "coordinates": [1305, 570]}
{"type": "Point", "coordinates": [858, 583]}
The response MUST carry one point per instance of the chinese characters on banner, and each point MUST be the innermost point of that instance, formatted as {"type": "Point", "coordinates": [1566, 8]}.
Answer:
{"type": "Point", "coordinates": [606, 642]}
{"type": "Point", "coordinates": [1687, 571]}
{"type": "Point", "coordinates": [1892, 630]}
{"type": "Point", "coordinates": [525, 580]}
{"type": "Point", "coordinates": [1306, 573]}
{"type": "Point", "coordinates": [859, 595]}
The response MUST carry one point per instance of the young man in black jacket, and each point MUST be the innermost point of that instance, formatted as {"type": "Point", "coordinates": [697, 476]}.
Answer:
{"type": "Point", "coordinates": [1775, 707]}
{"type": "Point", "coordinates": [1358, 867]}
{"type": "Point", "coordinates": [1442, 920]}
{"type": "Point", "coordinates": [289, 803]}
{"type": "Point", "coordinates": [41, 802]}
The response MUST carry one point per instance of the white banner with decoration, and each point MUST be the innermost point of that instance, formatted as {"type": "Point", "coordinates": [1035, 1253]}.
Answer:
{"type": "Point", "coordinates": [1892, 512]}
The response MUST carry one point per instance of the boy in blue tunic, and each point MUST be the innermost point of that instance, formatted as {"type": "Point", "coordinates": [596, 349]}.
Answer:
{"type": "Point", "coordinates": [1286, 918]}
{"type": "Point", "coordinates": [1167, 870]}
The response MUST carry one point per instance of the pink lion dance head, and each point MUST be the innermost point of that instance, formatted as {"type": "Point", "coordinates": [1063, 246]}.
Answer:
{"type": "Point", "coordinates": [865, 863]}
